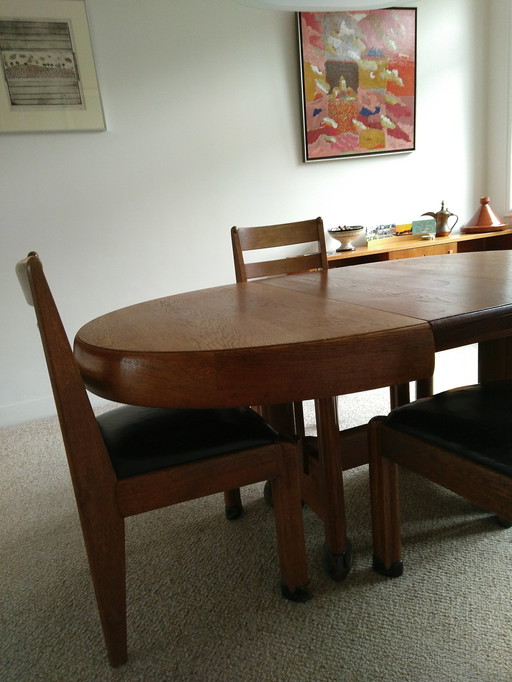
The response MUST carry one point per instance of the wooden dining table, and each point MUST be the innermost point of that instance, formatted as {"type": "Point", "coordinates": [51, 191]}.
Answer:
{"type": "Point", "coordinates": [307, 336]}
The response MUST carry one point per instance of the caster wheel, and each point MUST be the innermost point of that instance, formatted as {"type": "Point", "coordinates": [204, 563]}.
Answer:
{"type": "Point", "coordinates": [338, 565]}
{"type": "Point", "coordinates": [394, 571]}
{"type": "Point", "coordinates": [233, 512]}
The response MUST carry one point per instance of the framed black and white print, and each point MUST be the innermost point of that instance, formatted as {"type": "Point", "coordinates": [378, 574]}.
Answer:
{"type": "Point", "coordinates": [48, 78]}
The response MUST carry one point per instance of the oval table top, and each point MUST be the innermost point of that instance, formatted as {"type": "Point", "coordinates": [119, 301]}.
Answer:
{"type": "Point", "coordinates": [248, 344]}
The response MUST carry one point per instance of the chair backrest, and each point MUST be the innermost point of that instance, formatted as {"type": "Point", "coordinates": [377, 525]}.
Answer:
{"type": "Point", "coordinates": [306, 232]}
{"type": "Point", "coordinates": [88, 461]}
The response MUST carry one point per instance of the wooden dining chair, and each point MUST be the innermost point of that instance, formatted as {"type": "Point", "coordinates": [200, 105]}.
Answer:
{"type": "Point", "coordinates": [460, 439]}
{"type": "Point", "coordinates": [131, 460]}
{"type": "Point", "coordinates": [308, 239]}
{"type": "Point", "coordinates": [307, 236]}
{"type": "Point", "coordinates": [308, 252]}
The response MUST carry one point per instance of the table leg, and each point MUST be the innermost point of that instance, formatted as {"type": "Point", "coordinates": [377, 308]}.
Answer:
{"type": "Point", "coordinates": [425, 387]}
{"type": "Point", "coordinates": [337, 551]}
{"type": "Point", "coordinates": [495, 359]}
{"type": "Point", "coordinates": [399, 395]}
{"type": "Point", "coordinates": [282, 417]}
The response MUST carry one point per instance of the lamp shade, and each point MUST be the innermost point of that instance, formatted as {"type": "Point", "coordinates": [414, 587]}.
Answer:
{"type": "Point", "coordinates": [321, 5]}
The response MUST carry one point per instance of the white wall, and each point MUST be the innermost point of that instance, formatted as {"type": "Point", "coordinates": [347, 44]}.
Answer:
{"type": "Point", "coordinates": [499, 139]}
{"type": "Point", "coordinates": [204, 131]}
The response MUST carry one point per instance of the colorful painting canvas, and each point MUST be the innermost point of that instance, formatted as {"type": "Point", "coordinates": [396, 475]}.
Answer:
{"type": "Point", "coordinates": [358, 72]}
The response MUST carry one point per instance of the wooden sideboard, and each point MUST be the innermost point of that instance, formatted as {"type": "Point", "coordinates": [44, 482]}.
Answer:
{"type": "Point", "coordinates": [411, 246]}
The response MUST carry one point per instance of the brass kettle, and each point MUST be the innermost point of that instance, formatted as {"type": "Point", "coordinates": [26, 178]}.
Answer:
{"type": "Point", "coordinates": [441, 218]}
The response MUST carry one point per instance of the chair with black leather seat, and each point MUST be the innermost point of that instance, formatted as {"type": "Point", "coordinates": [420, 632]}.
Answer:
{"type": "Point", "coordinates": [131, 460]}
{"type": "Point", "coordinates": [460, 439]}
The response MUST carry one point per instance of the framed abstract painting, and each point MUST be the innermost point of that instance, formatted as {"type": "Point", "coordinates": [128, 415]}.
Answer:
{"type": "Point", "coordinates": [47, 76]}
{"type": "Point", "coordinates": [358, 81]}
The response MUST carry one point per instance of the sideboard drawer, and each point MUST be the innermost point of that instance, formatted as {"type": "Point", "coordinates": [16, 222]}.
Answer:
{"type": "Point", "coordinates": [430, 250]}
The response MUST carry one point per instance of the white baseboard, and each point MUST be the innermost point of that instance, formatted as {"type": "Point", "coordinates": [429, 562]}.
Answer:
{"type": "Point", "coordinates": [18, 413]}
{"type": "Point", "coordinates": [30, 410]}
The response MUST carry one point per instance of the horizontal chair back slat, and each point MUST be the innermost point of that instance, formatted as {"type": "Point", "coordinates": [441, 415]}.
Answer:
{"type": "Point", "coordinates": [309, 233]}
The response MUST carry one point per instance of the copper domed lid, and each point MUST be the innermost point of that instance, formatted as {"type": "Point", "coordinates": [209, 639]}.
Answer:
{"type": "Point", "coordinates": [484, 220]}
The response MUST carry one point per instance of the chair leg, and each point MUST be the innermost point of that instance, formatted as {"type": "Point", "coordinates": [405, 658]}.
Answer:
{"type": "Point", "coordinates": [105, 545]}
{"type": "Point", "coordinates": [233, 504]}
{"type": "Point", "coordinates": [291, 545]}
{"type": "Point", "coordinates": [387, 559]}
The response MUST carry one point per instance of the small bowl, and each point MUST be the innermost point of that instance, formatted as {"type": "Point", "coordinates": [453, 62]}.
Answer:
{"type": "Point", "coordinates": [345, 235]}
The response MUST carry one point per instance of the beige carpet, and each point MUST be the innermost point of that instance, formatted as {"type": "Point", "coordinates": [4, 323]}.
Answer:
{"type": "Point", "coordinates": [204, 602]}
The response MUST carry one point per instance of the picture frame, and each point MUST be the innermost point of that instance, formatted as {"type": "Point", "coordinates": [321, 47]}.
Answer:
{"type": "Point", "coordinates": [358, 82]}
{"type": "Point", "coordinates": [48, 78]}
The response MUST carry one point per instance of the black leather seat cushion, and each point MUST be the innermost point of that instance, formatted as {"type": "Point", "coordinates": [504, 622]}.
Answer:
{"type": "Point", "coordinates": [140, 439]}
{"type": "Point", "coordinates": [473, 421]}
